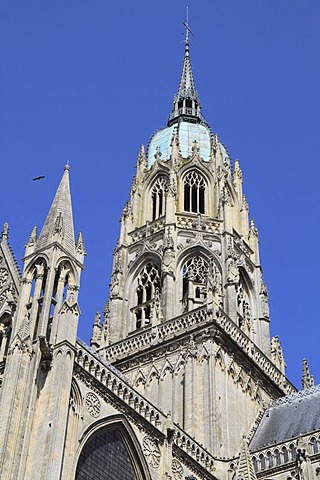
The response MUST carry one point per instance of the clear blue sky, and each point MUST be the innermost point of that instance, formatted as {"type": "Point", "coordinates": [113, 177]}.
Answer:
{"type": "Point", "coordinates": [89, 81]}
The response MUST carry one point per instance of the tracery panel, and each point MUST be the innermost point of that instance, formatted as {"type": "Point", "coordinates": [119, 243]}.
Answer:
{"type": "Point", "coordinates": [194, 193]}
{"type": "Point", "coordinates": [195, 275]}
{"type": "Point", "coordinates": [147, 294]}
{"type": "Point", "coordinates": [158, 198]}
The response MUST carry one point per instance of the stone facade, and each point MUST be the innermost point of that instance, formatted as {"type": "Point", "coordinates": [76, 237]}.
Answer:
{"type": "Point", "coordinates": [181, 379]}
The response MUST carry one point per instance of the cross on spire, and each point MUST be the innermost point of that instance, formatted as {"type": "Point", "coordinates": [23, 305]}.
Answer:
{"type": "Point", "coordinates": [186, 102]}
{"type": "Point", "coordinates": [188, 30]}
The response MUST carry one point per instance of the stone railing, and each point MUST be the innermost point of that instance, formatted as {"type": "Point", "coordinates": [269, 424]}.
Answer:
{"type": "Point", "coordinates": [198, 222]}
{"type": "Point", "coordinates": [147, 230]}
{"type": "Point", "coordinates": [152, 335]}
{"type": "Point", "coordinates": [110, 380]}
{"type": "Point", "coordinates": [253, 352]}
{"type": "Point", "coordinates": [163, 332]}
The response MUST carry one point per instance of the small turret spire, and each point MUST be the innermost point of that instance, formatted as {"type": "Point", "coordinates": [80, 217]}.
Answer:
{"type": "Point", "coordinates": [58, 226]}
{"type": "Point", "coordinates": [186, 103]}
{"type": "Point", "coordinates": [307, 380]}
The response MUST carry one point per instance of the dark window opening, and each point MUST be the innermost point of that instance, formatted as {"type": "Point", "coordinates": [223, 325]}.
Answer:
{"type": "Point", "coordinates": [148, 292]}
{"type": "Point", "coordinates": [138, 319]}
{"type": "Point", "coordinates": [187, 198]}
{"type": "Point", "coordinates": [157, 198]}
{"type": "Point", "coordinates": [148, 284]}
{"type": "Point", "coordinates": [194, 193]}
{"type": "Point", "coordinates": [201, 200]}
{"type": "Point", "coordinates": [105, 456]}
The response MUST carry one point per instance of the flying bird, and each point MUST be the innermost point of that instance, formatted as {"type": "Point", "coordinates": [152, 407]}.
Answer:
{"type": "Point", "coordinates": [38, 178]}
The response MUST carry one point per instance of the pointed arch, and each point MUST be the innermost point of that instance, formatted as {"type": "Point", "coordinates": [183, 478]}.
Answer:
{"type": "Point", "coordinates": [154, 372]}
{"type": "Point", "coordinates": [75, 402]}
{"type": "Point", "coordinates": [110, 449]}
{"type": "Point", "coordinates": [31, 268]}
{"type": "Point", "coordinates": [193, 265]}
{"type": "Point", "coordinates": [73, 273]}
{"type": "Point", "coordinates": [157, 196]}
{"type": "Point", "coordinates": [194, 192]}
{"type": "Point", "coordinates": [219, 357]}
{"type": "Point", "coordinates": [181, 362]}
{"type": "Point", "coordinates": [145, 286]}
{"type": "Point", "coordinates": [140, 378]}
{"type": "Point", "coordinates": [167, 367]}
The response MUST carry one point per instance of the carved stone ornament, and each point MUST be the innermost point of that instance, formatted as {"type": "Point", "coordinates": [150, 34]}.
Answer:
{"type": "Point", "coordinates": [3, 276]}
{"type": "Point", "coordinates": [151, 451]}
{"type": "Point", "coordinates": [93, 404]}
{"type": "Point", "coordinates": [2, 299]}
{"type": "Point", "coordinates": [177, 469]}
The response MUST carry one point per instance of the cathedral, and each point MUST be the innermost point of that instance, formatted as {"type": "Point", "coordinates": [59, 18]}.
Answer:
{"type": "Point", "coordinates": [181, 380]}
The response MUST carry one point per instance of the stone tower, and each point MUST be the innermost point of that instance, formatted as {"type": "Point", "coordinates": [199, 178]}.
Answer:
{"type": "Point", "coordinates": [39, 365]}
{"type": "Point", "coordinates": [182, 380]}
{"type": "Point", "coordinates": [188, 319]}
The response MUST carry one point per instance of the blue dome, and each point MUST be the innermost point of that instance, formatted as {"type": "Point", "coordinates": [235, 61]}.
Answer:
{"type": "Point", "coordinates": [188, 133]}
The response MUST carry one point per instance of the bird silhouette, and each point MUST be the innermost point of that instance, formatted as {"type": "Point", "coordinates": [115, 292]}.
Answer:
{"type": "Point", "coordinates": [38, 178]}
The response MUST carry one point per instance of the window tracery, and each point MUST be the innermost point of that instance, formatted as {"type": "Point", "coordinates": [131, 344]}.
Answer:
{"type": "Point", "coordinates": [195, 275]}
{"type": "Point", "coordinates": [158, 198]}
{"type": "Point", "coordinates": [147, 294]}
{"type": "Point", "coordinates": [194, 193]}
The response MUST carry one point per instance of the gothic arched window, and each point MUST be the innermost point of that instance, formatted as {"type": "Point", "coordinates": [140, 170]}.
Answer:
{"type": "Point", "coordinates": [194, 192]}
{"type": "Point", "coordinates": [105, 456]}
{"type": "Point", "coordinates": [148, 289]}
{"type": "Point", "coordinates": [158, 198]}
{"type": "Point", "coordinates": [277, 457]}
{"type": "Point", "coordinates": [285, 454]}
{"type": "Point", "coordinates": [195, 274]}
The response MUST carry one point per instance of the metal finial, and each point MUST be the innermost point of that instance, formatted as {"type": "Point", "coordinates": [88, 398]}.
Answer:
{"type": "Point", "coordinates": [188, 30]}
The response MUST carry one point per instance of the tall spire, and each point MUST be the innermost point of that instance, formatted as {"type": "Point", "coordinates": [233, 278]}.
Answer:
{"type": "Point", "coordinates": [186, 102]}
{"type": "Point", "coordinates": [58, 226]}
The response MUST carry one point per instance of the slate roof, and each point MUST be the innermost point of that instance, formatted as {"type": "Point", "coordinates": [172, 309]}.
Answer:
{"type": "Point", "coordinates": [287, 418]}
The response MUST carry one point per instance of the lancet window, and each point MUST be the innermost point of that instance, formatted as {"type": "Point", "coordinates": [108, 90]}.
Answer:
{"type": "Point", "coordinates": [194, 193]}
{"type": "Point", "coordinates": [147, 292]}
{"type": "Point", "coordinates": [158, 198]}
{"type": "Point", "coordinates": [195, 274]}
{"type": "Point", "coordinates": [37, 292]}
{"type": "Point", "coordinates": [58, 296]}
